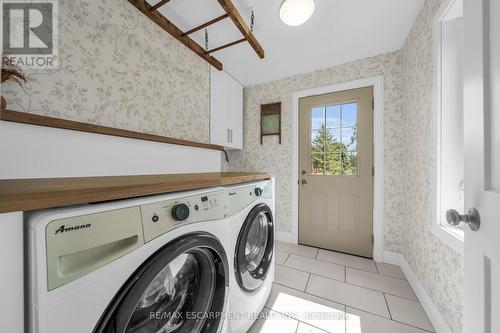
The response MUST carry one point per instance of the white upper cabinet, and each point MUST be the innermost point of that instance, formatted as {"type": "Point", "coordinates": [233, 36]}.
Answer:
{"type": "Point", "coordinates": [226, 110]}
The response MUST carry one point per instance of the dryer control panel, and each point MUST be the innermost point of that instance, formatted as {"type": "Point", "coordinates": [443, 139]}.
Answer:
{"type": "Point", "coordinates": [239, 197]}
{"type": "Point", "coordinates": [160, 217]}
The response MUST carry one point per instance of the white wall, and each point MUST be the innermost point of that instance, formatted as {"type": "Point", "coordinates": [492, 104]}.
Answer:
{"type": "Point", "coordinates": [35, 152]}
{"type": "Point", "coordinates": [11, 273]}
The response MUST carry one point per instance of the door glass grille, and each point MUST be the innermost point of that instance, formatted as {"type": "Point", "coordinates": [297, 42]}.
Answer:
{"type": "Point", "coordinates": [334, 140]}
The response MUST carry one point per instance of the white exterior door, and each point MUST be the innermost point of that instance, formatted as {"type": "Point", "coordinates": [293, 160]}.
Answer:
{"type": "Point", "coordinates": [482, 164]}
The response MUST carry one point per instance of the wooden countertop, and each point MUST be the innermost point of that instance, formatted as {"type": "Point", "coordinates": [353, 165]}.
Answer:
{"type": "Point", "coordinates": [29, 194]}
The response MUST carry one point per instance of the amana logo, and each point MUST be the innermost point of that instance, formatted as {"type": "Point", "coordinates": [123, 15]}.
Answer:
{"type": "Point", "coordinates": [77, 227]}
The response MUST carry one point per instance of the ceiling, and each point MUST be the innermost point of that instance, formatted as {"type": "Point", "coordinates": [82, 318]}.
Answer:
{"type": "Point", "coordinates": [338, 32]}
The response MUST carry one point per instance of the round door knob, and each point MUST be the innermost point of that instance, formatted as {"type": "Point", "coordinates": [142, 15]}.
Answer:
{"type": "Point", "coordinates": [180, 212]}
{"type": "Point", "coordinates": [258, 191]}
{"type": "Point", "coordinates": [472, 218]}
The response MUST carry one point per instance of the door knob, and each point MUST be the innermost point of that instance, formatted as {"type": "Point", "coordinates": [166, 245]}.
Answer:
{"type": "Point", "coordinates": [472, 218]}
{"type": "Point", "coordinates": [304, 182]}
{"type": "Point", "coordinates": [303, 172]}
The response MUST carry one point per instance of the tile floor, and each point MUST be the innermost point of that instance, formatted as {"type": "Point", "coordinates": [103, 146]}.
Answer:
{"type": "Point", "coordinates": [318, 291]}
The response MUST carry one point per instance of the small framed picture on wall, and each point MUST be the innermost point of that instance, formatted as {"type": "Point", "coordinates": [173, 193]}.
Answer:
{"type": "Point", "coordinates": [270, 120]}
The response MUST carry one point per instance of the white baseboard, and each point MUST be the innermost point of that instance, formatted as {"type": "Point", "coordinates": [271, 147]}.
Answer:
{"type": "Point", "coordinates": [430, 308]}
{"type": "Point", "coordinates": [284, 236]}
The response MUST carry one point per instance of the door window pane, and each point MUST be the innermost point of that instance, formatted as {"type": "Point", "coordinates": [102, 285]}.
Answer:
{"type": "Point", "coordinates": [351, 164]}
{"type": "Point", "coordinates": [333, 164]}
{"type": "Point", "coordinates": [349, 138]}
{"type": "Point", "coordinates": [317, 163]}
{"type": "Point", "coordinates": [317, 117]}
{"type": "Point", "coordinates": [314, 135]}
{"type": "Point", "coordinates": [334, 141]}
{"type": "Point", "coordinates": [333, 116]}
{"type": "Point", "coordinates": [349, 114]}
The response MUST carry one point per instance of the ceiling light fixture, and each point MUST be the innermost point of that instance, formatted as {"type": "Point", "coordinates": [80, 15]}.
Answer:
{"type": "Point", "coordinates": [296, 12]}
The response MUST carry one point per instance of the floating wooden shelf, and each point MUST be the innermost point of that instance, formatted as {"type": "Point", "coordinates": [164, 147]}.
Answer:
{"type": "Point", "coordinates": [34, 119]}
{"type": "Point", "coordinates": [152, 12]}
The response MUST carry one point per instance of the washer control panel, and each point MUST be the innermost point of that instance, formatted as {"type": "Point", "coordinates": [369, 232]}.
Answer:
{"type": "Point", "coordinates": [161, 217]}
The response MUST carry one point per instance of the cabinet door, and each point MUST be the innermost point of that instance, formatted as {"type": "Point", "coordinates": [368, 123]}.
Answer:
{"type": "Point", "coordinates": [236, 114]}
{"type": "Point", "coordinates": [219, 92]}
{"type": "Point", "coordinates": [226, 110]}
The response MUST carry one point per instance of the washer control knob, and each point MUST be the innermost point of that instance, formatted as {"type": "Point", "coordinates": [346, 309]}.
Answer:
{"type": "Point", "coordinates": [180, 212]}
{"type": "Point", "coordinates": [155, 218]}
{"type": "Point", "coordinates": [258, 191]}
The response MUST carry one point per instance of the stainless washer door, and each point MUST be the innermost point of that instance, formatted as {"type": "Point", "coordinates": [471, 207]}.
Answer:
{"type": "Point", "coordinates": [254, 248]}
{"type": "Point", "coordinates": [180, 288]}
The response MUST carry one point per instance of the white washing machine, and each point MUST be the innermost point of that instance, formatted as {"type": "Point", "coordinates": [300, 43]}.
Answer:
{"type": "Point", "coordinates": [154, 264]}
{"type": "Point", "coordinates": [251, 211]}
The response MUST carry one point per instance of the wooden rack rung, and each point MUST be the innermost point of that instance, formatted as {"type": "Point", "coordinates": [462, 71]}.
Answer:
{"type": "Point", "coordinates": [226, 45]}
{"type": "Point", "coordinates": [158, 5]}
{"type": "Point", "coordinates": [204, 25]}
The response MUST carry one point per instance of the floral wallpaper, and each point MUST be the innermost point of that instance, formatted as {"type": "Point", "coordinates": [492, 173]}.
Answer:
{"type": "Point", "coordinates": [119, 69]}
{"type": "Point", "coordinates": [438, 267]}
{"type": "Point", "coordinates": [276, 159]}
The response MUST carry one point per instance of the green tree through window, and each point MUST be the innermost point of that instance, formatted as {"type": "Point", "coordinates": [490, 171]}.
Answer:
{"type": "Point", "coordinates": [331, 157]}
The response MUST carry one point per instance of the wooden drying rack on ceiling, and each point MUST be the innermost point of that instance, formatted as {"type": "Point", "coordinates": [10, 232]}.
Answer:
{"type": "Point", "coordinates": [152, 12]}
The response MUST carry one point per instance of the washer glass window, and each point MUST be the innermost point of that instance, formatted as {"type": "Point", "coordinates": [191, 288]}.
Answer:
{"type": "Point", "coordinates": [256, 242]}
{"type": "Point", "coordinates": [182, 288]}
{"type": "Point", "coordinates": [174, 292]}
{"type": "Point", "coordinates": [255, 248]}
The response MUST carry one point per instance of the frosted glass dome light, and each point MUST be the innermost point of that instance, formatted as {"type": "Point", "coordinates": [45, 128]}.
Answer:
{"type": "Point", "coordinates": [296, 12]}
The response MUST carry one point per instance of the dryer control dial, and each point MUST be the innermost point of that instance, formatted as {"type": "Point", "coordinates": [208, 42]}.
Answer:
{"type": "Point", "coordinates": [258, 191]}
{"type": "Point", "coordinates": [180, 212]}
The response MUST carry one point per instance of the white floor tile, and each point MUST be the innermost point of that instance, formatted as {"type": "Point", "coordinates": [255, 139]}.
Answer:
{"type": "Point", "coordinates": [408, 312]}
{"type": "Point", "coordinates": [315, 311]}
{"type": "Point", "coordinates": [280, 257]}
{"type": "Point", "coordinates": [290, 277]}
{"type": "Point", "coordinates": [304, 328]}
{"type": "Point", "coordinates": [272, 322]}
{"type": "Point", "coordinates": [358, 297]}
{"type": "Point", "coordinates": [301, 250]}
{"type": "Point", "coordinates": [309, 295]}
{"type": "Point", "coordinates": [390, 270]}
{"type": "Point", "coordinates": [326, 269]}
{"type": "Point", "coordinates": [347, 260]}
{"type": "Point", "coordinates": [380, 282]}
{"type": "Point", "coordinates": [362, 322]}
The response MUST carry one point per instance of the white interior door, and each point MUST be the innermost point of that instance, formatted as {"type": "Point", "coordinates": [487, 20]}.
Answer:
{"type": "Point", "coordinates": [482, 164]}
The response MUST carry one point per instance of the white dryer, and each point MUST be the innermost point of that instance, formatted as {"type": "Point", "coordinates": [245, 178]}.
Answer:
{"type": "Point", "coordinates": [251, 211]}
{"type": "Point", "coordinates": [154, 264]}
